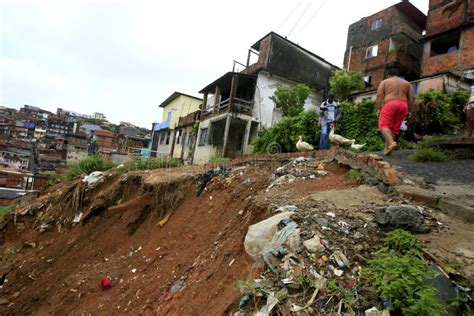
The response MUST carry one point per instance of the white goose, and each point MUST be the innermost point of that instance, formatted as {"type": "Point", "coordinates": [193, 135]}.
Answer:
{"type": "Point", "coordinates": [338, 139]}
{"type": "Point", "coordinates": [357, 146]}
{"type": "Point", "coordinates": [303, 146]}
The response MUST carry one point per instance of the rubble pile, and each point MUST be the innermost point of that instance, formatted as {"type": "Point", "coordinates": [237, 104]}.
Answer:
{"type": "Point", "coordinates": [314, 257]}
{"type": "Point", "coordinates": [298, 169]}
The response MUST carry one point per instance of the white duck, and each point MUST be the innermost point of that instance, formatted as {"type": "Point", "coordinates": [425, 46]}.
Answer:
{"type": "Point", "coordinates": [338, 139]}
{"type": "Point", "coordinates": [357, 146]}
{"type": "Point", "coordinates": [303, 146]}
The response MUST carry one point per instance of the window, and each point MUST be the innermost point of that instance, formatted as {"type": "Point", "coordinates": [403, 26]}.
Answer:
{"type": "Point", "coordinates": [376, 25]}
{"type": "Point", "coordinates": [162, 139]}
{"type": "Point", "coordinates": [372, 51]}
{"type": "Point", "coordinates": [203, 137]}
{"type": "Point", "coordinates": [168, 138]}
{"type": "Point", "coordinates": [444, 45]}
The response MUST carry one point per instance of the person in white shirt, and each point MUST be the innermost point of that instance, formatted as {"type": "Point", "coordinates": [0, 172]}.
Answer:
{"type": "Point", "coordinates": [329, 113]}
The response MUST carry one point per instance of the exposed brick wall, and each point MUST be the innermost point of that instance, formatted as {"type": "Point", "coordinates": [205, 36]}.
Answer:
{"type": "Point", "coordinates": [454, 62]}
{"type": "Point", "coordinates": [467, 54]}
{"type": "Point", "coordinates": [438, 23]}
{"type": "Point", "coordinates": [440, 63]}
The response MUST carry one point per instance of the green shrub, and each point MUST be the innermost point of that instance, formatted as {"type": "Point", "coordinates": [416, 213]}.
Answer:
{"type": "Point", "coordinates": [88, 165]}
{"type": "Point", "coordinates": [4, 211]}
{"type": "Point", "coordinates": [436, 112]}
{"type": "Point", "coordinates": [398, 274]}
{"type": "Point", "coordinates": [283, 135]}
{"type": "Point", "coordinates": [151, 164]}
{"type": "Point", "coordinates": [429, 154]}
{"type": "Point", "coordinates": [291, 101]}
{"type": "Point", "coordinates": [343, 82]}
{"type": "Point", "coordinates": [360, 122]}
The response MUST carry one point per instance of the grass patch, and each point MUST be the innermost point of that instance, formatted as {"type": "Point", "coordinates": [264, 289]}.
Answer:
{"type": "Point", "coordinates": [355, 176]}
{"type": "Point", "coordinates": [151, 164]}
{"type": "Point", "coordinates": [429, 154]}
{"type": "Point", "coordinates": [218, 159]}
{"type": "Point", "coordinates": [4, 211]}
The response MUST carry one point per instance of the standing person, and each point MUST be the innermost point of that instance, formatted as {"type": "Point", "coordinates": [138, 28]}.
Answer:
{"type": "Point", "coordinates": [469, 110]}
{"type": "Point", "coordinates": [329, 113]}
{"type": "Point", "coordinates": [397, 97]}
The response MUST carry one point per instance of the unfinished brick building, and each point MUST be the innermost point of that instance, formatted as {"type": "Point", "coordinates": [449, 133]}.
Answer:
{"type": "Point", "coordinates": [449, 41]}
{"type": "Point", "coordinates": [391, 37]}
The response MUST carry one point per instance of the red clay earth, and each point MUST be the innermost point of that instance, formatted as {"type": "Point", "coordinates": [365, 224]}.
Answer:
{"type": "Point", "coordinates": [186, 265]}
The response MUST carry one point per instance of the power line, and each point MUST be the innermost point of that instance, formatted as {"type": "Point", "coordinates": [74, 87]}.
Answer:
{"type": "Point", "coordinates": [289, 15]}
{"type": "Point", "coordinates": [312, 17]}
{"type": "Point", "coordinates": [297, 21]}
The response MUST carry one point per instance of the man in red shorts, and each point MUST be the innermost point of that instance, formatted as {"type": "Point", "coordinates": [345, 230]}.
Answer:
{"type": "Point", "coordinates": [397, 96]}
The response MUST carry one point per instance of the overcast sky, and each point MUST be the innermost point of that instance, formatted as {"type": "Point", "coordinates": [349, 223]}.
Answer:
{"type": "Point", "coordinates": [123, 58]}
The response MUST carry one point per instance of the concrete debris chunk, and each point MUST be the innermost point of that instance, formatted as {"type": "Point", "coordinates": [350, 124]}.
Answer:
{"type": "Point", "coordinates": [314, 245]}
{"type": "Point", "coordinates": [402, 216]}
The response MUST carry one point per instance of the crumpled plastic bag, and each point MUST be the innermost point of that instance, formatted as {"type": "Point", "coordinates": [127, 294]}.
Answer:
{"type": "Point", "coordinates": [93, 179]}
{"type": "Point", "coordinates": [260, 235]}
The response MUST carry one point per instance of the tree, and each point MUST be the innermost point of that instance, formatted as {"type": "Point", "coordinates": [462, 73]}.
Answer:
{"type": "Point", "coordinates": [291, 102]}
{"type": "Point", "coordinates": [343, 82]}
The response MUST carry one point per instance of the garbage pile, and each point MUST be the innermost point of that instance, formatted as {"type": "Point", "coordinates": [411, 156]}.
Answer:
{"type": "Point", "coordinates": [298, 169]}
{"type": "Point", "coordinates": [313, 260]}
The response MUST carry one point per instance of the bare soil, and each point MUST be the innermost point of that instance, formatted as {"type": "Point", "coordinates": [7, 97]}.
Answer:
{"type": "Point", "coordinates": [166, 250]}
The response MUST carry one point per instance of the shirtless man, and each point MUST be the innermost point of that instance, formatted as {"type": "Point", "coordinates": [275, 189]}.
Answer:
{"type": "Point", "coordinates": [397, 96]}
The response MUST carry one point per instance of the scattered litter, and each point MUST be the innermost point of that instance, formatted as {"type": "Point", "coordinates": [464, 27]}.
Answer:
{"type": "Point", "coordinates": [259, 235]}
{"type": "Point", "coordinates": [314, 245]}
{"type": "Point", "coordinates": [231, 262]}
{"type": "Point", "coordinates": [93, 179]}
{"type": "Point", "coordinates": [340, 259]}
{"type": "Point", "coordinates": [178, 285]}
{"type": "Point", "coordinates": [165, 219]}
{"type": "Point", "coordinates": [331, 214]}
{"type": "Point", "coordinates": [134, 270]}
{"type": "Point", "coordinates": [338, 272]}
{"type": "Point", "coordinates": [105, 283]}
{"type": "Point", "coordinates": [285, 208]}
{"type": "Point", "coordinates": [271, 302]}
{"type": "Point", "coordinates": [244, 300]}
{"type": "Point", "coordinates": [3, 279]}
{"type": "Point", "coordinates": [77, 218]}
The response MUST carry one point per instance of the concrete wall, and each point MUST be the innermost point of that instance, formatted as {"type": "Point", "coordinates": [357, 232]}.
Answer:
{"type": "Point", "coordinates": [75, 154]}
{"type": "Point", "coordinates": [264, 109]}
{"type": "Point", "coordinates": [202, 154]}
{"type": "Point", "coordinates": [119, 159]}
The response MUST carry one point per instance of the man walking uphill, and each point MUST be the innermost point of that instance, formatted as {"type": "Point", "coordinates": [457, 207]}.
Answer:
{"type": "Point", "coordinates": [397, 96]}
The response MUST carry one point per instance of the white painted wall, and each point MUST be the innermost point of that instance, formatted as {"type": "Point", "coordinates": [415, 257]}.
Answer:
{"type": "Point", "coordinates": [264, 108]}
{"type": "Point", "coordinates": [202, 154]}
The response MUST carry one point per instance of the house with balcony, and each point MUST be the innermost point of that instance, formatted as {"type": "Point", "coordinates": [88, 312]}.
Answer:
{"type": "Point", "coordinates": [389, 38]}
{"type": "Point", "coordinates": [237, 105]}
{"type": "Point", "coordinates": [163, 134]}
{"type": "Point", "coordinates": [449, 40]}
